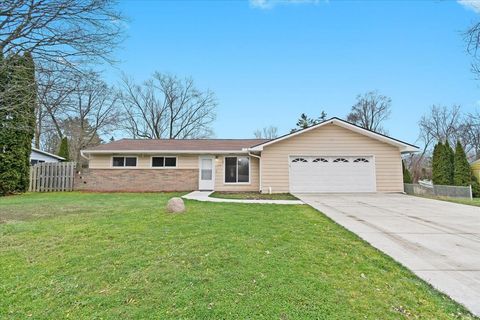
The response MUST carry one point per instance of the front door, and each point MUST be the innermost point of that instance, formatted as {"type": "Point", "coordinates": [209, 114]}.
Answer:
{"type": "Point", "coordinates": [206, 173]}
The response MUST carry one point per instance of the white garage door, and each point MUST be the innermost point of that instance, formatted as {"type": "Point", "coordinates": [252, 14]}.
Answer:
{"type": "Point", "coordinates": [332, 174]}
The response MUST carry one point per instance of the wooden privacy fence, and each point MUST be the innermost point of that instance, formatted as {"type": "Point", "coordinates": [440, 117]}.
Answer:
{"type": "Point", "coordinates": [52, 176]}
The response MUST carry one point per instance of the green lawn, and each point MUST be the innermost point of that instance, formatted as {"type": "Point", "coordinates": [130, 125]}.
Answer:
{"type": "Point", "coordinates": [120, 256]}
{"type": "Point", "coordinates": [473, 202]}
{"type": "Point", "coordinates": [253, 195]}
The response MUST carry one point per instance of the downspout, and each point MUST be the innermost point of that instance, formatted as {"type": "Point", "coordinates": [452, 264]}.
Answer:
{"type": "Point", "coordinates": [259, 169]}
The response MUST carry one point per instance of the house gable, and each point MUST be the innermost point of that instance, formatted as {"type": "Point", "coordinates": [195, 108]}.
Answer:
{"type": "Point", "coordinates": [402, 146]}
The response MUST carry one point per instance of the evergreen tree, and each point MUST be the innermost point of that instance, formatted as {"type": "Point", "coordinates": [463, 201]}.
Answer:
{"type": "Point", "coordinates": [407, 178]}
{"type": "Point", "coordinates": [449, 158]}
{"type": "Point", "coordinates": [63, 151]}
{"type": "Point", "coordinates": [437, 177]}
{"type": "Point", "coordinates": [475, 186]}
{"type": "Point", "coordinates": [442, 164]}
{"type": "Point", "coordinates": [462, 172]}
{"type": "Point", "coordinates": [17, 121]}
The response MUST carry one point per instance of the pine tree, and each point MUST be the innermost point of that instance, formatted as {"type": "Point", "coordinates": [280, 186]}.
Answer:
{"type": "Point", "coordinates": [449, 163]}
{"type": "Point", "coordinates": [462, 172]}
{"type": "Point", "coordinates": [442, 164]}
{"type": "Point", "coordinates": [407, 178]}
{"type": "Point", "coordinates": [63, 151]}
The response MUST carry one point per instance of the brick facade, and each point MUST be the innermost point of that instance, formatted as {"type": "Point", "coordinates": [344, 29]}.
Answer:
{"type": "Point", "coordinates": [137, 180]}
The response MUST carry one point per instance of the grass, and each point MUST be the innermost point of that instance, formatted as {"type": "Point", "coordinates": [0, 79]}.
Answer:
{"type": "Point", "coordinates": [253, 195]}
{"type": "Point", "coordinates": [120, 256]}
{"type": "Point", "coordinates": [473, 202]}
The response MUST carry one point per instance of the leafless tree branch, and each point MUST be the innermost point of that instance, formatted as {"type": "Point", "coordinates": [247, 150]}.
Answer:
{"type": "Point", "coordinates": [370, 111]}
{"type": "Point", "coordinates": [167, 107]}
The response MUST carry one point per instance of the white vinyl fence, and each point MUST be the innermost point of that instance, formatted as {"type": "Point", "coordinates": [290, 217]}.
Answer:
{"type": "Point", "coordinates": [438, 191]}
{"type": "Point", "coordinates": [52, 176]}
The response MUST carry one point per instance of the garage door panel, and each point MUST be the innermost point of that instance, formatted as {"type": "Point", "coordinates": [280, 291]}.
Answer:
{"type": "Point", "coordinates": [332, 174]}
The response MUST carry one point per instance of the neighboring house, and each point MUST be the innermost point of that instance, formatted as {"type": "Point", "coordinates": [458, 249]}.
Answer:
{"type": "Point", "coordinates": [333, 156]}
{"type": "Point", "coordinates": [475, 165]}
{"type": "Point", "coordinates": [39, 156]}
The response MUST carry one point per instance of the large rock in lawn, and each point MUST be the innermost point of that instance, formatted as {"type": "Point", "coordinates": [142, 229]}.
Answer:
{"type": "Point", "coordinates": [175, 205]}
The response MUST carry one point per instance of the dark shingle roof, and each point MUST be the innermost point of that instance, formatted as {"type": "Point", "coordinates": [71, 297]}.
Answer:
{"type": "Point", "coordinates": [178, 145]}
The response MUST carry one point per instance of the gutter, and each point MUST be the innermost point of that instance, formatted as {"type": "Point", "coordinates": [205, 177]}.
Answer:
{"type": "Point", "coordinates": [83, 155]}
{"type": "Point", "coordinates": [150, 151]}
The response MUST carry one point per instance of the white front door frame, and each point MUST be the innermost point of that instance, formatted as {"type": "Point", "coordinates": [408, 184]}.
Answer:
{"type": "Point", "coordinates": [206, 181]}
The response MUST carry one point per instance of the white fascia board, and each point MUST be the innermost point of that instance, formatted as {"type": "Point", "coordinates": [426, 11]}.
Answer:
{"type": "Point", "coordinates": [47, 154]}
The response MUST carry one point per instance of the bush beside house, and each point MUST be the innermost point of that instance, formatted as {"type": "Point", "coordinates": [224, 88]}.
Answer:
{"type": "Point", "coordinates": [407, 177]}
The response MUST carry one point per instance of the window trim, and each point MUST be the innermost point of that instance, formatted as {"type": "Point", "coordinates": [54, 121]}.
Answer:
{"type": "Point", "coordinates": [164, 156]}
{"type": "Point", "coordinates": [124, 162]}
{"type": "Point", "coordinates": [249, 170]}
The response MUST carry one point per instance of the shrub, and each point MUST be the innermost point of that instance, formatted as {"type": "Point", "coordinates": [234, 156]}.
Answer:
{"type": "Point", "coordinates": [407, 177]}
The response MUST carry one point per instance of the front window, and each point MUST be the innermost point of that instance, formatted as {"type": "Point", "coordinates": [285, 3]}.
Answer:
{"type": "Point", "coordinates": [124, 161]}
{"type": "Point", "coordinates": [160, 162]}
{"type": "Point", "coordinates": [237, 169]}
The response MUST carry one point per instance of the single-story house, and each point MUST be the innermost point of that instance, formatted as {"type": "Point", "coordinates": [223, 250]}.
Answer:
{"type": "Point", "coordinates": [333, 156]}
{"type": "Point", "coordinates": [39, 156]}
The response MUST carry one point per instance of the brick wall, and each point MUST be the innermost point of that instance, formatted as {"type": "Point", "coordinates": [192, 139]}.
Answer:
{"type": "Point", "coordinates": [137, 180]}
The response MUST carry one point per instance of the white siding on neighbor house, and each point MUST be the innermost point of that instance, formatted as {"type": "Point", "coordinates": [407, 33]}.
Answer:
{"type": "Point", "coordinates": [34, 155]}
{"type": "Point", "coordinates": [331, 140]}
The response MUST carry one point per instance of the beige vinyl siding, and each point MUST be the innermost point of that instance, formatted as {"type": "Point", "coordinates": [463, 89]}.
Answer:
{"type": "Point", "coordinates": [220, 184]}
{"type": "Point", "coordinates": [331, 140]}
{"type": "Point", "coordinates": [143, 161]}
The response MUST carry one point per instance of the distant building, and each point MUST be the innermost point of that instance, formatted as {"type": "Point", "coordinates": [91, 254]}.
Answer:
{"type": "Point", "coordinates": [39, 156]}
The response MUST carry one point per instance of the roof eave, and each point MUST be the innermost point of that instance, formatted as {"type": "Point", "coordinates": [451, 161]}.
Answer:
{"type": "Point", "coordinates": [409, 150]}
{"type": "Point", "coordinates": [48, 154]}
{"type": "Point", "coordinates": [164, 151]}
{"type": "Point", "coordinates": [404, 147]}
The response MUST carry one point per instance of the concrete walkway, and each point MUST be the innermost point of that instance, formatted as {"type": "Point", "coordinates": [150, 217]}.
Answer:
{"type": "Point", "coordinates": [204, 196]}
{"type": "Point", "coordinates": [439, 241]}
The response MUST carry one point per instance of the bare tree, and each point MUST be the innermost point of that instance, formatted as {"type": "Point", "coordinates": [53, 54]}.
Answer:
{"type": "Point", "coordinates": [64, 36]}
{"type": "Point", "coordinates": [93, 112]}
{"type": "Point", "coordinates": [472, 132]}
{"type": "Point", "coordinates": [166, 106]}
{"type": "Point", "coordinates": [441, 123]}
{"type": "Point", "coordinates": [68, 32]}
{"type": "Point", "coordinates": [56, 84]}
{"type": "Point", "coordinates": [472, 39]}
{"type": "Point", "coordinates": [370, 111]}
{"type": "Point", "coordinates": [80, 107]}
{"type": "Point", "coordinates": [270, 132]}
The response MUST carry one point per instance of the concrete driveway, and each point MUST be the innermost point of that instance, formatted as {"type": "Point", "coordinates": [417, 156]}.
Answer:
{"type": "Point", "coordinates": [439, 241]}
